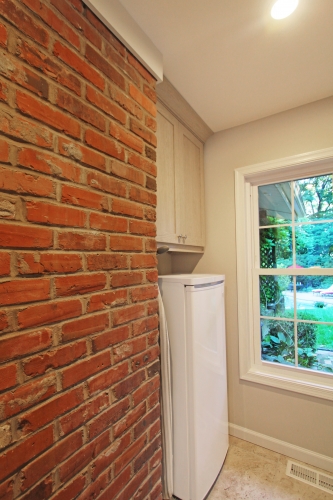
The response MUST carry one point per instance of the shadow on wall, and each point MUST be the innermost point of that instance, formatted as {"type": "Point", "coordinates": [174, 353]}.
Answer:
{"type": "Point", "coordinates": [175, 263]}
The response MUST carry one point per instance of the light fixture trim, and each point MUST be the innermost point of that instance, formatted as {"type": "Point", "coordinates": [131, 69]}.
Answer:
{"type": "Point", "coordinates": [283, 8]}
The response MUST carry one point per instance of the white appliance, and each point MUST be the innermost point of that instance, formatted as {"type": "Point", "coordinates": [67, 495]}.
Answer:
{"type": "Point", "coordinates": [194, 310]}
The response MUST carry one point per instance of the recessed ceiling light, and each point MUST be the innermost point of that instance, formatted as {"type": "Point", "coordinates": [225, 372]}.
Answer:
{"type": "Point", "coordinates": [283, 8]}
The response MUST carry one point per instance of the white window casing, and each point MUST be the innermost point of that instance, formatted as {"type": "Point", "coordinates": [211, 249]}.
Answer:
{"type": "Point", "coordinates": [252, 368]}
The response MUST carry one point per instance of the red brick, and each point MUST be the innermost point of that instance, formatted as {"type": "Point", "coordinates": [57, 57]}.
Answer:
{"type": "Point", "coordinates": [111, 337]}
{"type": "Point", "coordinates": [147, 421]}
{"type": "Point", "coordinates": [150, 245]}
{"type": "Point", "coordinates": [3, 35]}
{"type": "Point", "coordinates": [48, 164]}
{"type": "Point", "coordinates": [22, 291]}
{"type": "Point", "coordinates": [126, 279]}
{"type": "Point", "coordinates": [152, 307]}
{"type": "Point", "coordinates": [150, 92]}
{"type": "Point", "coordinates": [83, 198]}
{"type": "Point", "coordinates": [126, 243]}
{"type": "Point", "coordinates": [106, 183]}
{"type": "Point", "coordinates": [152, 276]}
{"type": "Point", "coordinates": [126, 314]}
{"type": "Point", "coordinates": [81, 241]}
{"type": "Point", "coordinates": [151, 123]}
{"type": "Point", "coordinates": [147, 486]}
{"type": "Point", "coordinates": [105, 300]}
{"type": "Point", "coordinates": [128, 385]}
{"type": "Point", "coordinates": [143, 100]}
{"type": "Point", "coordinates": [80, 110]}
{"type": "Point", "coordinates": [109, 377]}
{"type": "Point", "coordinates": [106, 105]}
{"type": "Point", "coordinates": [52, 312]}
{"type": "Point", "coordinates": [143, 196]}
{"type": "Point", "coordinates": [53, 21]}
{"type": "Point", "coordinates": [108, 417]}
{"type": "Point", "coordinates": [4, 151]}
{"type": "Point", "coordinates": [85, 326]}
{"type": "Point", "coordinates": [95, 488]}
{"type": "Point", "coordinates": [45, 113]}
{"type": "Point", "coordinates": [32, 263]}
{"type": "Point", "coordinates": [146, 454]}
{"type": "Point", "coordinates": [108, 223]}
{"type": "Point", "coordinates": [4, 264]}
{"type": "Point", "coordinates": [110, 454]}
{"type": "Point", "coordinates": [54, 359]}
{"type": "Point", "coordinates": [46, 462]}
{"type": "Point", "coordinates": [146, 134]}
{"type": "Point", "coordinates": [145, 358]}
{"type": "Point", "coordinates": [81, 153]}
{"type": "Point", "coordinates": [102, 64]}
{"type": "Point", "coordinates": [35, 57]}
{"type": "Point", "coordinates": [79, 65]}
{"type": "Point", "coordinates": [126, 172]}
{"type": "Point", "coordinates": [23, 183]}
{"type": "Point", "coordinates": [125, 102]}
{"type": "Point", "coordinates": [85, 369]}
{"type": "Point", "coordinates": [142, 164]}
{"type": "Point", "coordinates": [3, 321]}
{"type": "Point", "coordinates": [156, 492]}
{"type": "Point", "coordinates": [27, 395]}
{"type": "Point", "coordinates": [43, 489]}
{"type": "Point", "coordinates": [154, 430]}
{"type": "Point", "coordinates": [3, 92]}
{"type": "Point", "coordinates": [143, 72]}
{"type": "Point", "coordinates": [23, 129]}
{"type": "Point", "coordinates": [127, 349]}
{"type": "Point", "coordinates": [125, 137]}
{"type": "Point", "coordinates": [23, 22]}
{"type": "Point", "coordinates": [144, 293]}
{"type": "Point", "coordinates": [141, 227]}
{"type": "Point", "coordinates": [153, 337]}
{"type": "Point", "coordinates": [71, 490]}
{"type": "Point", "coordinates": [152, 370]}
{"type": "Point", "coordinates": [145, 325]}
{"type": "Point", "coordinates": [38, 417]}
{"type": "Point", "coordinates": [116, 59]}
{"type": "Point", "coordinates": [73, 285]}
{"type": "Point", "coordinates": [7, 377]}
{"type": "Point", "coordinates": [105, 32]}
{"type": "Point", "coordinates": [59, 215]}
{"type": "Point", "coordinates": [78, 22]}
{"type": "Point", "coordinates": [83, 413]}
{"type": "Point", "coordinates": [117, 485]}
{"type": "Point", "coordinates": [83, 457]}
{"type": "Point", "coordinates": [102, 143]}
{"type": "Point", "coordinates": [125, 207]}
{"type": "Point", "coordinates": [6, 490]}
{"type": "Point", "coordinates": [131, 417]}
{"type": "Point", "coordinates": [129, 454]}
{"type": "Point", "coordinates": [143, 260]}
{"type": "Point", "coordinates": [24, 344]}
{"type": "Point", "coordinates": [24, 236]}
{"type": "Point", "coordinates": [15, 457]}
{"type": "Point", "coordinates": [106, 261]}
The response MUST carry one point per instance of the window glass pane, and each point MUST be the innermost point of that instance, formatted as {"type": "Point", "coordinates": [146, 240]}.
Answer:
{"type": "Point", "coordinates": [314, 298]}
{"type": "Point", "coordinates": [274, 204]}
{"type": "Point", "coordinates": [276, 296]}
{"type": "Point", "coordinates": [276, 247]}
{"type": "Point", "coordinates": [314, 245]}
{"type": "Point", "coordinates": [277, 341]}
{"type": "Point", "coordinates": [315, 346]}
{"type": "Point", "coordinates": [315, 196]}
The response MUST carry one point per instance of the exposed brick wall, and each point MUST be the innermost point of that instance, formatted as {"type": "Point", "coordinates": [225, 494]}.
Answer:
{"type": "Point", "coordinates": [79, 355]}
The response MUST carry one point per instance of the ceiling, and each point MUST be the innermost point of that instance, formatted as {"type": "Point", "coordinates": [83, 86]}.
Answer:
{"type": "Point", "coordinates": [233, 63]}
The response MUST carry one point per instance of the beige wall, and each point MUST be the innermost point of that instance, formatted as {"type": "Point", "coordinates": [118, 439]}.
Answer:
{"type": "Point", "coordinates": [300, 420]}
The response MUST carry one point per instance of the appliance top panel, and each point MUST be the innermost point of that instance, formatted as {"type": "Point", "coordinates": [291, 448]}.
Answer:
{"type": "Point", "coordinates": [191, 279]}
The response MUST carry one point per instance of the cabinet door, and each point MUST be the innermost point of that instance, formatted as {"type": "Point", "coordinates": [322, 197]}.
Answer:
{"type": "Point", "coordinates": [167, 155]}
{"type": "Point", "coordinates": [190, 189]}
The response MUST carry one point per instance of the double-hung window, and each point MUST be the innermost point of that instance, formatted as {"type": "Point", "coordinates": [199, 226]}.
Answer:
{"type": "Point", "coordinates": [284, 219]}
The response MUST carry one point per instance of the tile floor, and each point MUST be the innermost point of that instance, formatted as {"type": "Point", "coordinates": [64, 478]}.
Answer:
{"type": "Point", "coordinates": [254, 473]}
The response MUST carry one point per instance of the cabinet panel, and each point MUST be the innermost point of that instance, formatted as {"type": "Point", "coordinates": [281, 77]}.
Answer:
{"type": "Point", "coordinates": [189, 189]}
{"type": "Point", "coordinates": [167, 152]}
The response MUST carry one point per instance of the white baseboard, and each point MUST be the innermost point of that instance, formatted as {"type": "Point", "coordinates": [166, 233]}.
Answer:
{"type": "Point", "coordinates": [290, 450]}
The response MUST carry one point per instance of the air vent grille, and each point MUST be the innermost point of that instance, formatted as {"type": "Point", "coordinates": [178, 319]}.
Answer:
{"type": "Point", "coordinates": [310, 476]}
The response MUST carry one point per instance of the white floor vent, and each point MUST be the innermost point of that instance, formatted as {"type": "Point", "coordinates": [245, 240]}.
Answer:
{"type": "Point", "coordinates": [310, 476]}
